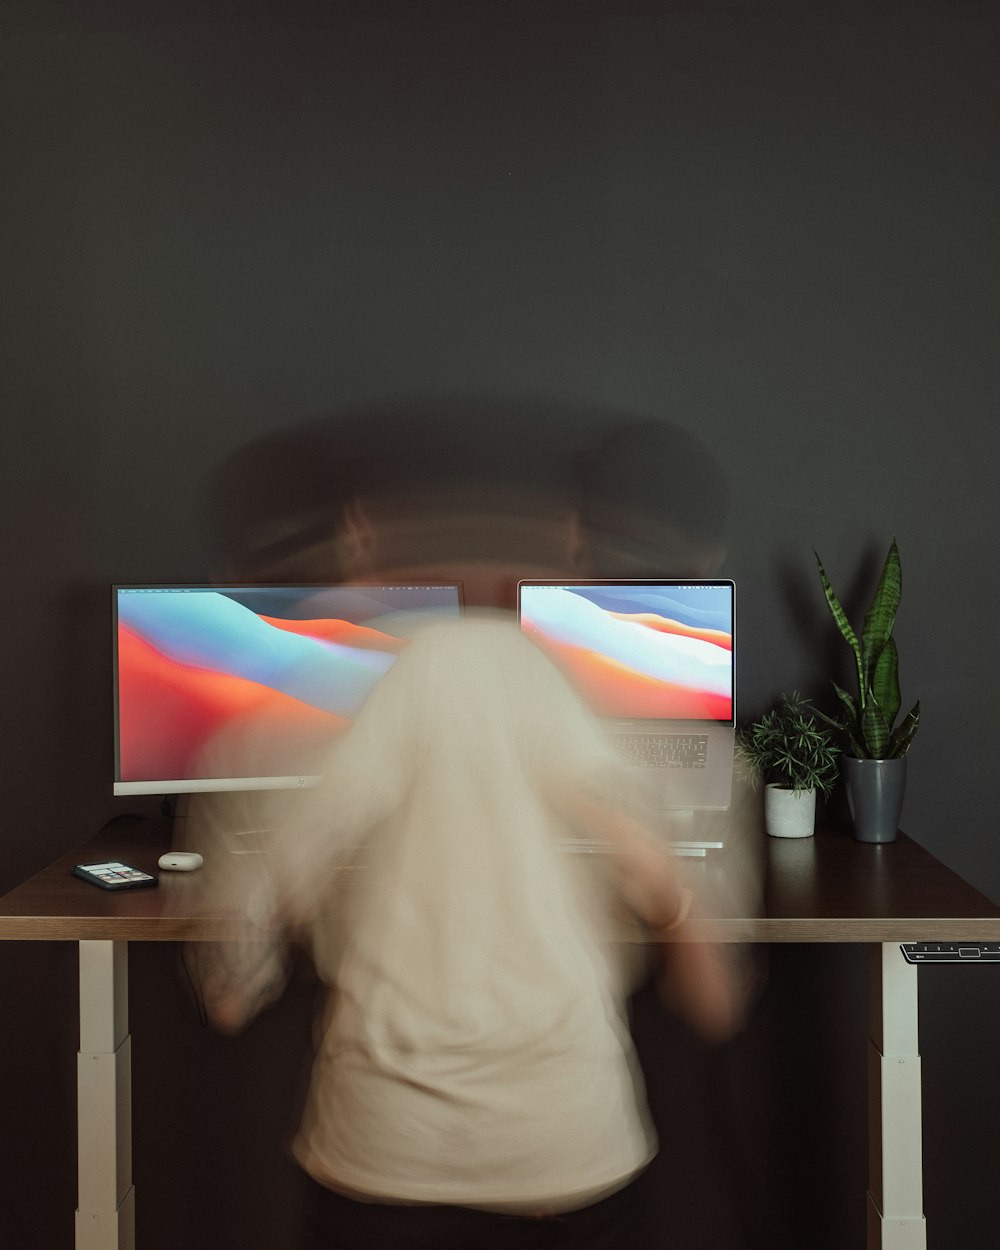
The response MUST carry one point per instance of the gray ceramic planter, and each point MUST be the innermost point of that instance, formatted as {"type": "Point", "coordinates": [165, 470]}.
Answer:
{"type": "Point", "coordinates": [875, 795]}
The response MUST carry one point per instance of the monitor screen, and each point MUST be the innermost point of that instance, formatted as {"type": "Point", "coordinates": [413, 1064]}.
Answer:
{"type": "Point", "coordinates": [642, 650]}
{"type": "Point", "coordinates": [243, 687]}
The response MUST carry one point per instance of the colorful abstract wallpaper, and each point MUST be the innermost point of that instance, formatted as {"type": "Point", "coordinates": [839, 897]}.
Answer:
{"type": "Point", "coordinates": [252, 682]}
{"type": "Point", "coordinates": [639, 651]}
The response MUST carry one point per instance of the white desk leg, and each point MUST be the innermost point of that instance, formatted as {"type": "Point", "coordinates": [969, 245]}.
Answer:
{"type": "Point", "coordinates": [105, 1218]}
{"type": "Point", "coordinates": [895, 1197]}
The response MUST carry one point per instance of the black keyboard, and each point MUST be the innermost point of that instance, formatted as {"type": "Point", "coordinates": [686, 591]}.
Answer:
{"type": "Point", "coordinates": [662, 750]}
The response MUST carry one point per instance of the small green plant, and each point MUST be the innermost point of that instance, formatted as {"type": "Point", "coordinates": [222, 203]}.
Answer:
{"type": "Point", "coordinates": [868, 721]}
{"type": "Point", "coordinates": [789, 746]}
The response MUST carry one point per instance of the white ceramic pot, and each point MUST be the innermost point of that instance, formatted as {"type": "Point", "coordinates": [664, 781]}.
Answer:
{"type": "Point", "coordinates": [789, 813]}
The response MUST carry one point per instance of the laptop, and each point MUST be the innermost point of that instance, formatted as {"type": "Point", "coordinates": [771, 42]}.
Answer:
{"type": "Point", "coordinates": [656, 662]}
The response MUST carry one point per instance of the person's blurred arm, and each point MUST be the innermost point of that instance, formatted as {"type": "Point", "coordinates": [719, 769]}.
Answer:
{"type": "Point", "coordinates": [235, 981]}
{"type": "Point", "coordinates": [273, 881]}
{"type": "Point", "coordinates": [700, 979]}
{"type": "Point", "coordinates": [570, 760]}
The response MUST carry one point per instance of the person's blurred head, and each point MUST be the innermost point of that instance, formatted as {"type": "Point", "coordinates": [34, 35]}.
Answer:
{"type": "Point", "coordinates": [484, 494]}
{"type": "Point", "coordinates": [481, 494]}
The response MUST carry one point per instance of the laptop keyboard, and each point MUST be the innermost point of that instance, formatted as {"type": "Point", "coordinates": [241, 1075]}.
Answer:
{"type": "Point", "coordinates": [662, 750]}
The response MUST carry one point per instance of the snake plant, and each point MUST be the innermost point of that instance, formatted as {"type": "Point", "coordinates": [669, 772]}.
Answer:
{"type": "Point", "coordinates": [868, 722]}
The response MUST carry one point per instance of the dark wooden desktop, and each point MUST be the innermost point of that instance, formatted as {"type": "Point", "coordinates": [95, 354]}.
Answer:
{"type": "Point", "coordinates": [828, 888]}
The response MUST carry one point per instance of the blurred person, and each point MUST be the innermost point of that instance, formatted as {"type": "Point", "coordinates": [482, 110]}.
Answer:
{"type": "Point", "coordinates": [474, 1078]}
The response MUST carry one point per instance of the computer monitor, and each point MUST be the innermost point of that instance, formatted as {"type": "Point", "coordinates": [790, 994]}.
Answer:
{"type": "Point", "coordinates": [244, 687]}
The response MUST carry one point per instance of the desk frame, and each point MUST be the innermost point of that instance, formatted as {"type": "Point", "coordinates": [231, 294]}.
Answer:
{"type": "Point", "coordinates": [105, 1217]}
{"type": "Point", "coordinates": [821, 889]}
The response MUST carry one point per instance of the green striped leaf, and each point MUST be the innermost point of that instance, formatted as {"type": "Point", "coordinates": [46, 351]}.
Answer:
{"type": "Point", "coordinates": [843, 624]}
{"type": "Point", "coordinates": [903, 735]}
{"type": "Point", "coordinates": [876, 630]}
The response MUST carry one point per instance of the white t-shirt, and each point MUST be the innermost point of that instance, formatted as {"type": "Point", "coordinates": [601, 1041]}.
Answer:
{"type": "Point", "coordinates": [474, 1049]}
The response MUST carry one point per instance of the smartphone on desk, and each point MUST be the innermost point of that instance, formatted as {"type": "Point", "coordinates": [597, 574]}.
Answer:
{"type": "Point", "coordinates": [114, 876]}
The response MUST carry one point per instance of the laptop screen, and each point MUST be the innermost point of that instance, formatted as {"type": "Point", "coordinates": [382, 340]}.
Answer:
{"type": "Point", "coordinates": [644, 650]}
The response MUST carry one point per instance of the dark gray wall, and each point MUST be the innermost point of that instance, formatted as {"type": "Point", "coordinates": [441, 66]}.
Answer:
{"type": "Point", "coordinates": [769, 222]}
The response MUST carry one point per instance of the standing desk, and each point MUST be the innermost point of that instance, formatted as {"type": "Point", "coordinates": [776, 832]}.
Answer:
{"type": "Point", "coordinates": [828, 888]}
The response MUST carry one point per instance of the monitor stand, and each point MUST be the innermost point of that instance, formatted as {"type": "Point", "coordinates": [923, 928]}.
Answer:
{"type": "Point", "coordinates": [179, 822]}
